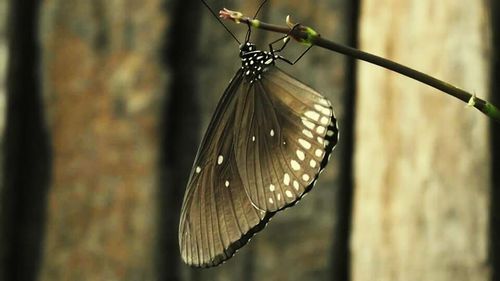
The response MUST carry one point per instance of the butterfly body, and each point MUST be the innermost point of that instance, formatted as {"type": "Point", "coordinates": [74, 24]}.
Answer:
{"type": "Point", "coordinates": [264, 148]}
{"type": "Point", "coordinates": [254, 62]}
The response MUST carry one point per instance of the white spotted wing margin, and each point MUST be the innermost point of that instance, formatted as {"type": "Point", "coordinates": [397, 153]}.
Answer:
{"type": "Point", "coordinates": [263, 150]}
{"type": "Point", "coordinates": [284, 137]}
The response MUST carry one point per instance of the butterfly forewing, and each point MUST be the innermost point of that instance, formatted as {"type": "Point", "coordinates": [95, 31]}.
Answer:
{"type": "Point", "coordinates": [216, 217]}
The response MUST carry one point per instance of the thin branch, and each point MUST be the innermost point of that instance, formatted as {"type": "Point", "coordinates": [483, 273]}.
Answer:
{"type": "Point", "coordinates": [308, 36]}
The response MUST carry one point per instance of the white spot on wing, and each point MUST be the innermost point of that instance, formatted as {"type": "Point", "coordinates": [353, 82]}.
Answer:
{"type": "Point", "coordinates": [271, 187]}
{"type": "Point", "coordinates": [296, 185]}
{"type": "Point", "coordinates": [286, 179]}
{"type": "Point", "coordinates": [271, 200]}
{"type": "Point", "coordinates": [289, 193]}
{"type": "Point", "coordinates": [307, 133]}
{"type": "Point", "coordinates": [320, 130]}
{"type": "Point", "coordinates": [329, 133]}
{"type": "Point", "coordinates": [324, 110]}
{"type": "Point", "coordinates": [278, 196]}
{"type": "Point", "coordinates": [253, 138]}
{"type": "Point", "coordinates": [305, 177]}
{"type": "Point", "coordinates": [271, 133]}
{"type": "Point", "coordinates": [324, 102]}
{"type": "Point", "coordinates": [198, 169]}
{"type": "Point", "coordinates": [308, 124]}
{"type": "Point", "coordinates": [312, 163]}
{"type": "Point", "coordinates": [318, 152]}
{"type": "Point", "coordinates": [312, 115]}
{"type": "Point", "coordinates": [220, 159]}
{"type": "Point", "coordinates": [300, 155]}
{"type": "Point", "coordinates": [226, 183]}
{"type": "Point", "coordinates": [295, 165]}
{"type": "Point", "coordinates": [305, 143]}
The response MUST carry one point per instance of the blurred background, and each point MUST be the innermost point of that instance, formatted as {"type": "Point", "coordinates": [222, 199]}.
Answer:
{"type": "Point", "coordinates": [103, 104]}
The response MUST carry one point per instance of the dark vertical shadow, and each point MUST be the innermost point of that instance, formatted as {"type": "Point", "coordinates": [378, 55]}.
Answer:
{"type": "Point", "coordinates": [27, 150]}
{"type": "Point", "coordinates": [179, 128]}
{"type": "Point", "coordinates": [494, 251]}
{"type": "Point", "coordinates": [341, 240]}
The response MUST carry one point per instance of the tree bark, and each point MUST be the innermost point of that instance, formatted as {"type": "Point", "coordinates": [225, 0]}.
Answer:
{"type": "Point", "coordinates": [103, 83]}
{"type": "Point", "coordinates": [27, 152]}
{"type": "Point", "coordinates": [494, 247]}
{"type": "Point", "coordinates": [4, 6]}
{"type": "Point", "coordinates": [422, 161]}
{"type": "Point", "coordinates": [3, 78]}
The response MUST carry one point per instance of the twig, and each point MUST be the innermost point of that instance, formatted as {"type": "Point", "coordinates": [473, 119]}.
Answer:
{"type": "Point", "coordinates": [307, 35]}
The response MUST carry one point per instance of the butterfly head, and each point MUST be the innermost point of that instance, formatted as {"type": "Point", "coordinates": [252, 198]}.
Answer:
{"type": "Point", "coordinates": [247, 47]}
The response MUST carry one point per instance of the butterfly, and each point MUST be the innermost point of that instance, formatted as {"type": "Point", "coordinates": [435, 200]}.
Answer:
{"type": "Point", "coordinates": [265, 146]}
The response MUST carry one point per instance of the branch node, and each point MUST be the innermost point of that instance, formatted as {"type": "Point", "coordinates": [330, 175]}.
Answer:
{"type": "Point", "coordinates": [289, 22]}
{"type": "Point", "coordinates": [227, 14]}
{"type": "Point", "coordinates": [472, 101]}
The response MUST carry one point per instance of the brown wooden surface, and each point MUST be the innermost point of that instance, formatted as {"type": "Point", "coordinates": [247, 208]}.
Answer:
{"type": "Point", "coordinates": [102, 82]}
{"type": "Point", "coordinates": [421, 159]}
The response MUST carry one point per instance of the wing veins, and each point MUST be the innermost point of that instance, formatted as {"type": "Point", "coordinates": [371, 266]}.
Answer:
{"type": "Point", "coordinates": [276, 121]}
{"type": "Point", "coordinates": [293, 172]}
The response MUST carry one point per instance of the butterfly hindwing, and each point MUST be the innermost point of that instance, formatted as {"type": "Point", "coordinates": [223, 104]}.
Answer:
{"type": "Point", "coordinates": [286, 134]}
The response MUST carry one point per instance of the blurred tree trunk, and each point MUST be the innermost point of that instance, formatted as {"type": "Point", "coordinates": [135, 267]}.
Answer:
{"type": "Point", "coordinates": [495, 145]}
{"type": "Point", "coordinates": [26, 147]}
{"type": "Point", "coordinates": [180, 131]}
{"type": "Point", "coordinates": [103, 81]}
{"type": "Point", "coordinates": [422, 160]}
{"type": "Point", "coordinates": [3, 67]}
{"type": "Point", "coordinates": [3, 87]}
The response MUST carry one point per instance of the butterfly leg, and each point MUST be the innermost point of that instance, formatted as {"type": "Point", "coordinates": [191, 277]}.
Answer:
{"type": "Point", "coordinates": [249, 32]}
{"type": "Point", "coordinates": [297, 59]}
{"type": "Point", "coordinates": [286, 39]}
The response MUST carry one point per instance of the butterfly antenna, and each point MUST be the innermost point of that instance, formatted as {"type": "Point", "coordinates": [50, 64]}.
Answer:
{"type": "Point", "coordinates": [249, 31]}
{"type": "Point", "coordinates": [218, 19]}
{"type": "Point", "coordinates": [260, 7]}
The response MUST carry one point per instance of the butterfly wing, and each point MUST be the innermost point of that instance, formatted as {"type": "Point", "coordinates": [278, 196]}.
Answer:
{"type": "Point", "coordinates": [216, 216]}
{"type": "Point", "coordinates": [263, 150]}
{"type": "Point", "coordinates": [284, 138]}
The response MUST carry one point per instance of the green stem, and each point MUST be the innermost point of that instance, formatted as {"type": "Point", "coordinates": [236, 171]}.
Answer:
{"type": "Point", "coordinates": [309, 36]}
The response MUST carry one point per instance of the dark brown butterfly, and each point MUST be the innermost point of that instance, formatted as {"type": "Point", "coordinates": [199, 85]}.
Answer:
{"type": "Point", "coordinates": [264, 148]}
